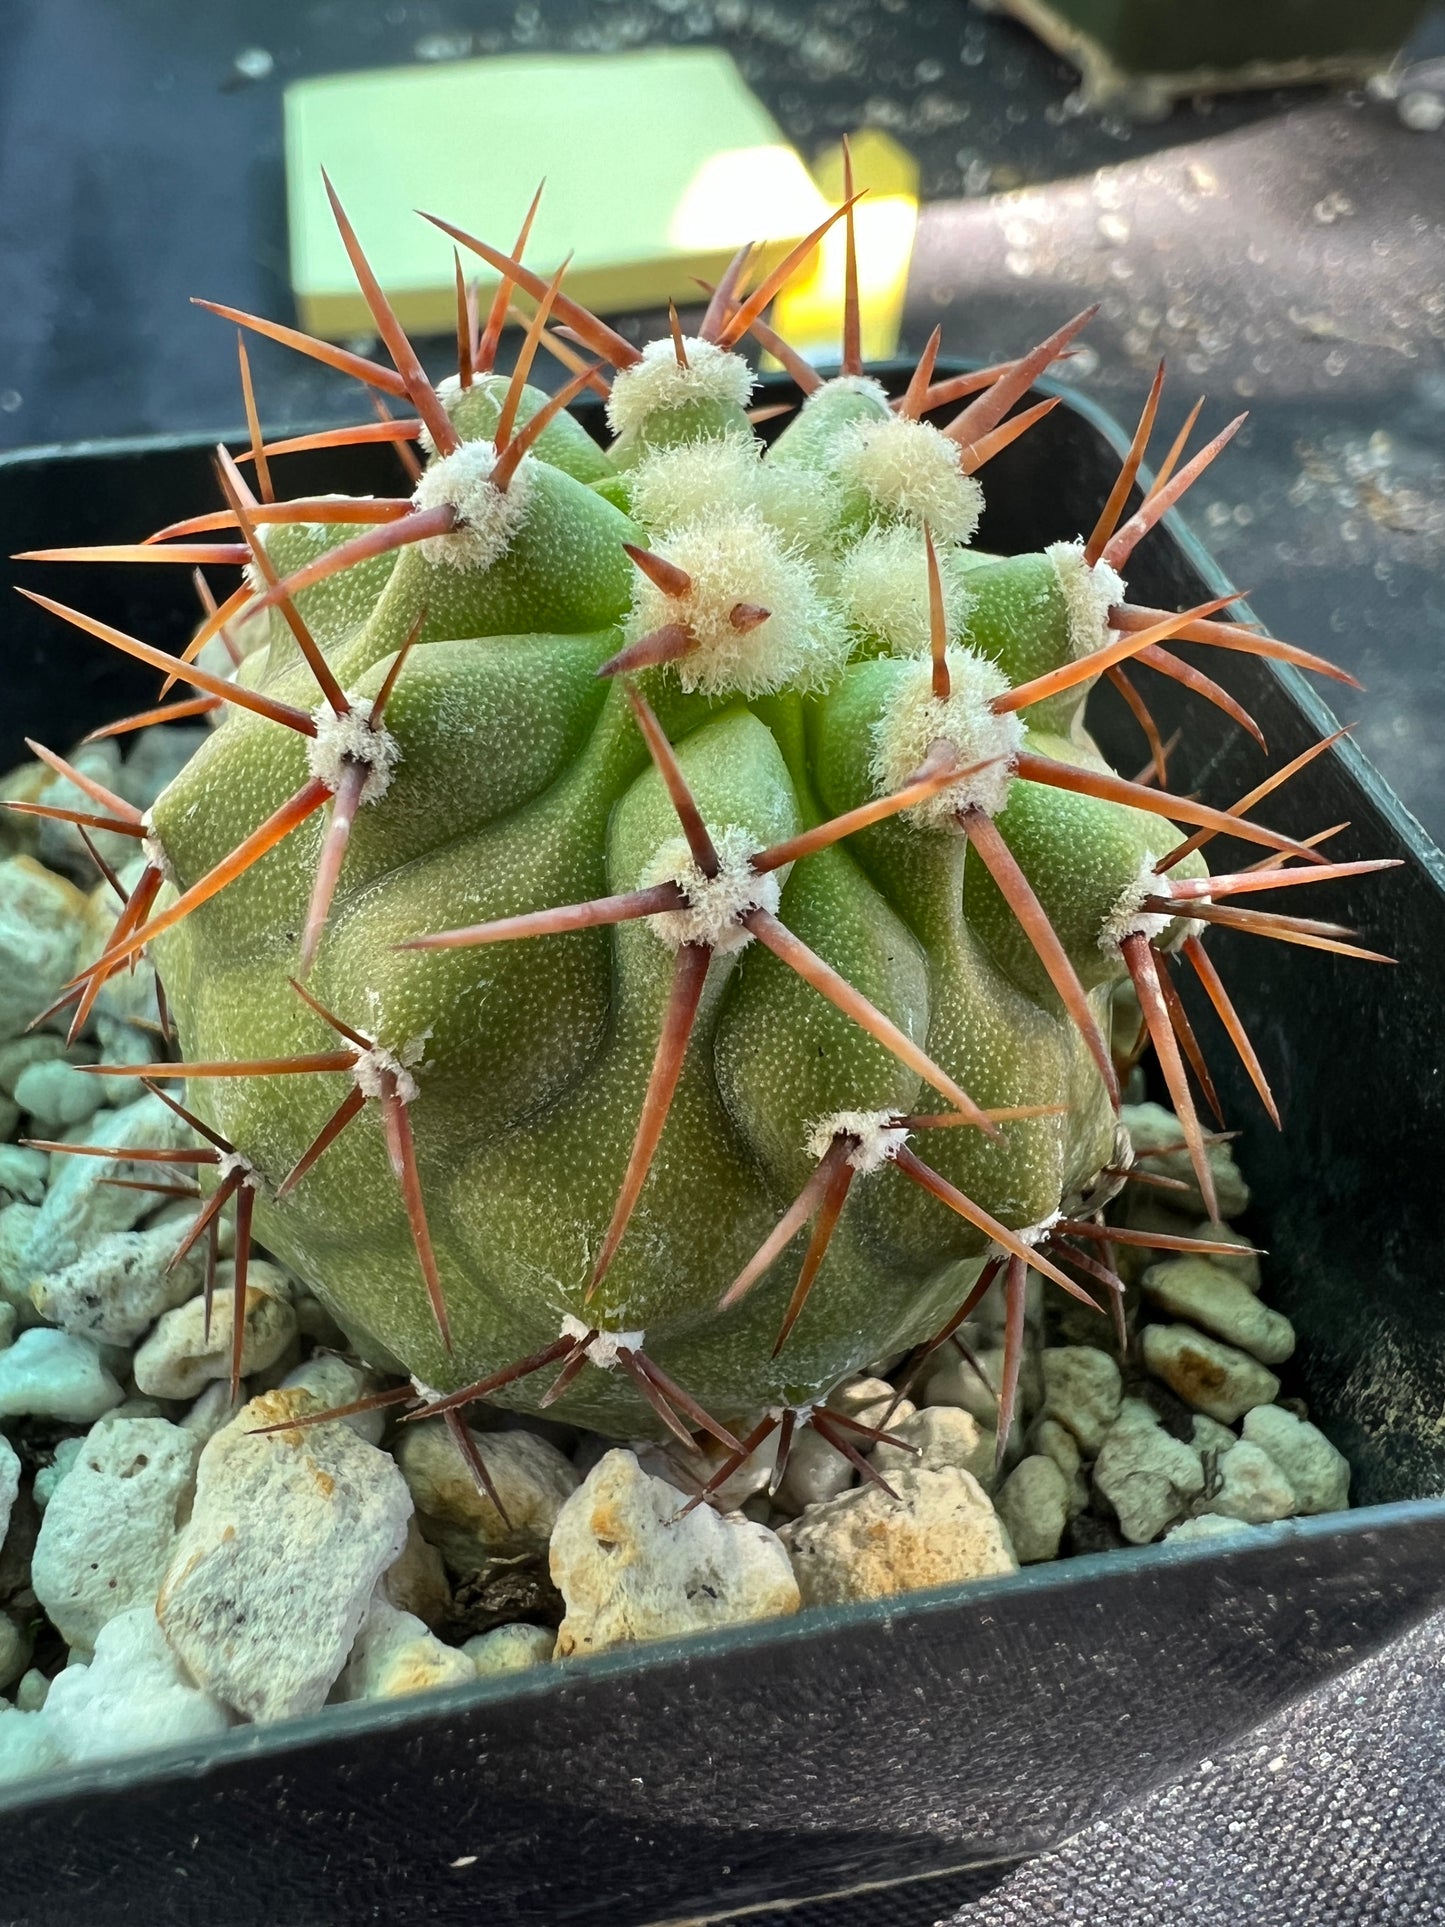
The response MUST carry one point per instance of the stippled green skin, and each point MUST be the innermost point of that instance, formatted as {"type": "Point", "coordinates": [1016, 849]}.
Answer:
{"type": "Point", "coordinates": [524, 783]}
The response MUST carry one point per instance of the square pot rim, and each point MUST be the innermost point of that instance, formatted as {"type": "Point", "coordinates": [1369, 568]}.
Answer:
{"type": "Point", "coordinates": [360, 1720]}
{"type": "Point", "coordinates": [363, 1719]}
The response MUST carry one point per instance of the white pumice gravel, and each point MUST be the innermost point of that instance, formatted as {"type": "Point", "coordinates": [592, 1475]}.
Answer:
{"type": "Point", "coordinates": [23, 1172]}
{"type": "Point", "coordinates": [1212, 1437]}
{"type": "Point", "coordinates": [27, 1745]}
{"type": "Point", "coordinates": [56, 1093]}
{"type": "Point", "coordinates": [17, 1223]}
{"type": "Point", "coordinates": [179, 1359]}
{"type": "Point", "coordinates": [939, 1529]}
{"type": "Point", "coordinates": [334, 1382]}
{"type": "Point", "coordinates": [1207, 1525]}
{"type": "Point", "coordinates": [1242, 1263]}
{"type": "Point", "coordinates": [416, 1581]}
{"type": "Point", "coordinates": [270, 1581]}
{"type": "Point", "coordinates": [9, 1483]}
{"type": "Point", "coordinates": [690, 1471]}
{"type": "Point", "coordinates": [48, 1374]}
{"type": "Point", "coordinates": [1220, 1303]}
{"type": "Point", "coordinates": [815, 1471]}
{"type": "Point", "coordinates": [510, 1649]}
{"type": "Point", "coordinates": [48, 1478]}
{"type": "Point", "coordinates": [1149, 1478]}
{"type": "Point", "coordinates": [1058, 1443]}
{"type": "Point", "coordinates": [1082, 1390]}
{"type": "Point", "coordinates": [15, 1649]}
{"type": "Point", "coordinates": [533, 1480]}
{"type": "Point", "coordinates": [115, 1291]}
{"type": "Point", "coordinates": [214, 1408]}
{"type": "Point", "coordinates": [32, 1690]}
{"type": "Point", "coordinates": [1252, 1487]}
{"type": "Point", "coordinates": [133, 1694]}
{"type": "Point", "coordinates": [44, 922]}
{"type": "Point", "coordinates": [953, 1381]}
{"type": "Point", "coordinates": [108, 1530]}
{"type": "Point", "coordinates": [1158, 1142]}
{"type": "Point", "coordinates": [1033, 1503]}
{"type": "Point", "coordinates": [631, 1566]}
{"type": "Point", "coordinates": [17, 1054]}
{"type": "Point", "coordinates": [1319, 1474]}
{"type": "Point", "coordinates": [81, 1205]}
{"type": "Point", "coordinates": [938, 1436]}
{"type": "Point", "coordinates": [59, 842]}
{"type": "Point", "coordinates": [395, 1655]}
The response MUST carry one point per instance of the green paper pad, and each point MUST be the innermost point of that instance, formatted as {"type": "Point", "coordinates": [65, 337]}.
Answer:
{"type": "Point", "coordinates": [658, 166]}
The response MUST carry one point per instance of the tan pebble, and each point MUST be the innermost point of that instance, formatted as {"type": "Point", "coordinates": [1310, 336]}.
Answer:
{"type": "Point", "coordinates": [533, 1479]}
{"type": "Point", "coordinates": [178, 1360]}
{"type": "Point", "coordinates": [631, 1565]}
{"type": "Point", "coordinates": [938, 1530]}
{"type": "Point", "coordinates": [1215, 1378]}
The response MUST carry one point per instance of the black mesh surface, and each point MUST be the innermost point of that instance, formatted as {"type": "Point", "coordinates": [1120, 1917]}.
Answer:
{"type": "Point", "coordinates": [1331, 1814]}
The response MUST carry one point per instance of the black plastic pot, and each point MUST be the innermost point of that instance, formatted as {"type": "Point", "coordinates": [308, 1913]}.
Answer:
{"type": "Point", "coordinates": [884, 1745]}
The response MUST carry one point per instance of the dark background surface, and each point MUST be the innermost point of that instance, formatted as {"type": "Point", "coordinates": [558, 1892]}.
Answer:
{"type": "Point", "coordinates": [1284, 251]}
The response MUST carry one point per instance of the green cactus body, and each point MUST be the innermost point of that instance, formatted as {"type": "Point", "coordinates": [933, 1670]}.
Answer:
{"type": "Point", "coordinates": [522, 782]}
{"type": "Point", "coordinates": [808, 630]}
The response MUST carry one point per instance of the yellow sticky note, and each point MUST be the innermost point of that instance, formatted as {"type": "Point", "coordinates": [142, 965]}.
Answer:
{"type": "Point", "coordinates": [658, 164]}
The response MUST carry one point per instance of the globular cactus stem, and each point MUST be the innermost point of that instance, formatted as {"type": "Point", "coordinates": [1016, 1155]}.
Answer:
{"type": "Point", "coordinates": [610, 866]}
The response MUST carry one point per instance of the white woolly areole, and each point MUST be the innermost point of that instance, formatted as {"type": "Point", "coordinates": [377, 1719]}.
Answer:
{"type": "Point", "coordinates": [1037, 1234]}
{"type": "Point", "coordinates": [714, 904]}
{"type": "Point", "coordinates": [374, 1067]}
{"type": "Point", "coordinates": [340, 740]}
{"type": "Point", "coordinates": [914, 719]}
{"type": "Point", "coordinates": [849, 385]}
{"type": "Point", "coordinates": [735, 557]}
{"type": "Point", "coordinates": [251, 574]}
{"type": "Point", "coordinates": [882, 583]}
{"type": "Point", "coordinates": [602, 1351]}
{"type": "Point", "coordinates": [231, 1164]}
{"type": "Point", "coordinates": [912, 471]}
{"type": "Point", "coordinates": [263, 532]}
{"type": "Point", "coordinates": [1129, 918]}
{"type": "Point", "coordinates": [1089, 594]}
{"type": "Point", "coordinates": [446, 389]}
{"type": "Point", "coordinates": [675, 487]}
{"type": "Point", "coordinates": [879, 1139]}
{"type": "Point", "coordinates": [801, 1413]}
{"type": "Point", "coordinates": [154, 852]}
{"type": "Point", "coordinates": [488, 518]}
{"type": "Point", "coordinates": [660, 381]}
{"type": "Point", "coordinates": [425, 1391]}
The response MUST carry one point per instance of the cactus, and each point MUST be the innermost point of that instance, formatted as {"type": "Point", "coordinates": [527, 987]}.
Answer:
{"type": "Point", "coordinates": [642, 934]}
